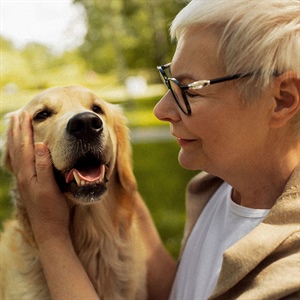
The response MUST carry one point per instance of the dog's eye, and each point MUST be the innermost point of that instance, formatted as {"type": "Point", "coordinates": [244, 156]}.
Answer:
{"type": "Point", "coordinates": [42, 115]}
{"type": "Point", "coordinates": [97, 109]}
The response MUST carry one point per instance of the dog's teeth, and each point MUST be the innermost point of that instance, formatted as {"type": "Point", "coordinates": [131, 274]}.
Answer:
{"type": "Point", "coordinates": [77, 179]}
{"type": "Point", "coordinates": [102, 173]}
{"type": "Point", "coordinates": [80, 182]}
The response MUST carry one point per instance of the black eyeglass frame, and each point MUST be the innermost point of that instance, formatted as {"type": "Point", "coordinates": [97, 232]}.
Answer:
{"type": "Point", "coordinates": [196, 85]}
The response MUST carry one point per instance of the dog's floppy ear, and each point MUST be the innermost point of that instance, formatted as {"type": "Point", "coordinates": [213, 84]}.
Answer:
{"type": "Point", "coordinates": [124, 153]}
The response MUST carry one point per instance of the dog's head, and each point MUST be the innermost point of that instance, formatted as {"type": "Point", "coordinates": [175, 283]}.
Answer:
{"type": "Point", "coordinates": [88, 140]}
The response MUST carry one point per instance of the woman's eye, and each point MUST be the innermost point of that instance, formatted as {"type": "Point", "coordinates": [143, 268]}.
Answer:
{"type": "Point", "coordinates": [97, 109]}
{"type": "Point", "coordinates": [42, 115]}
{"type": "Point", "coordinates": [191, 95]}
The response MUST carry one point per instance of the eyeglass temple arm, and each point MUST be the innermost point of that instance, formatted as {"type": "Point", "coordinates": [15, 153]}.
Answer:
{"type": "Point", "coordinates": [237, 76]}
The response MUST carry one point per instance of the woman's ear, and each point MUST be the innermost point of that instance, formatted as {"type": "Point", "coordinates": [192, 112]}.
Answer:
{"type": "Point", "coordinates": [286, 99]}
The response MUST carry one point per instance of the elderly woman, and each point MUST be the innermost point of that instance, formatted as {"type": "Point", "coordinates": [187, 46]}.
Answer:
{"type": "Point", "coordinates": [233, 103]}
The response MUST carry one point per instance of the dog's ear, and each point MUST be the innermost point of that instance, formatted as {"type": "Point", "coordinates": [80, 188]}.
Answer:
{"type": "Point", "coordinates": [124, 153]}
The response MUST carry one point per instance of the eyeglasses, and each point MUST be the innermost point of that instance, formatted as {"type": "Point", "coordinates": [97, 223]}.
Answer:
{"type": "Point", "coordinates": [179, 91]}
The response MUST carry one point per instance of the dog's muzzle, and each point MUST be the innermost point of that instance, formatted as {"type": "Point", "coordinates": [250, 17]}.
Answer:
{"type": "Point", "coordinates": [86, 177]}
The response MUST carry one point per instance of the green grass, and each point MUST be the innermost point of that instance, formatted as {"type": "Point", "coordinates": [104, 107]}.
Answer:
{"type": "Point", "coordinates": [162, 183]}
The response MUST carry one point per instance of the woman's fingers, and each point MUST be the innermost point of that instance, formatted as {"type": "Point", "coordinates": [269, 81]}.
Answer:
{"type": "Point", "coordinates": [33, 168]}
{"type": "Point", "coordinates": [44, 167]}
{"type": "Point", "coordinates": [20, 146]}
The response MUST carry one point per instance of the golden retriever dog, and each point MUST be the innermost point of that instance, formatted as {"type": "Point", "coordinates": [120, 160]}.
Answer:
{"type": "Point", "coordinates": [90, 148]}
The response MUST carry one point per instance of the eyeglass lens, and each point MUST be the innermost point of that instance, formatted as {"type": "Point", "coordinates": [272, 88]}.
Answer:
{"type": "Point", "coordinates": [177, 93]}
{"type": "Point", "coordinates": [175, 90]}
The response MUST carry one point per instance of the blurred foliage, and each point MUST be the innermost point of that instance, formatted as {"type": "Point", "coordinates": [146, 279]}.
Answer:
{"type": "Point", "coordinates": [124, 38]}
{"type": "Point", "coordinates": [36, 67]}
{"type": "Point", "coordinates": [128, 34]}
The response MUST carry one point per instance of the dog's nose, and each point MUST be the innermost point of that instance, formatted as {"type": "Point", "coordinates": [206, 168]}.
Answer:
{"type": "Point", "coordinates": [85, 126]}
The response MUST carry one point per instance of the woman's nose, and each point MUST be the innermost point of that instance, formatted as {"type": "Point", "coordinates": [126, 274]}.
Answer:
{"type": "Point", "coordinates": [166, 109]}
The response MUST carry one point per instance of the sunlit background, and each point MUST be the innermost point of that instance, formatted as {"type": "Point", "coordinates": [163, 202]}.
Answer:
{"type": "Point", "coordinates": [113, 48]}
{"type": "Point", "coordinates": [59, 25]}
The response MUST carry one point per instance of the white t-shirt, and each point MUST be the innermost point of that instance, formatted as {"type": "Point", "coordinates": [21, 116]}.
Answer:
{"type": "Point", "coordinates": [221, 224]}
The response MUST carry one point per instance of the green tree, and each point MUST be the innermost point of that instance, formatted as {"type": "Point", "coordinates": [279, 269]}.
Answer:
{"type": "Point", "coordinates": [127, 34]}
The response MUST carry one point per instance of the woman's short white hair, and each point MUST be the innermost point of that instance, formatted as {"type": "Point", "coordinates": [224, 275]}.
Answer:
{"type": "Point", "coordinates": [261, 36]}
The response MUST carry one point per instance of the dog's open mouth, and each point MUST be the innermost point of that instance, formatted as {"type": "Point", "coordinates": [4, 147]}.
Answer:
{"type": "Point", "coordinates": [87, 171]}
{"type": "Point", "coordinates": [86, 179]}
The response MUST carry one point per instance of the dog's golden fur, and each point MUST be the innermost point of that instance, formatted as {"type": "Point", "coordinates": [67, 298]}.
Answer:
{"type": "Point", "coordinates": [105, 228]}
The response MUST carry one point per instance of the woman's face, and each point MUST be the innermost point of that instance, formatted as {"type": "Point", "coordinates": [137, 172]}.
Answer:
{"type": "Point", "coordinates": [221, 135]}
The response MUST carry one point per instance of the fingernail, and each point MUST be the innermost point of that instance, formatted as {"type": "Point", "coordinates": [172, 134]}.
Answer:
{"type": "Point", "coordinates": [40, 149]}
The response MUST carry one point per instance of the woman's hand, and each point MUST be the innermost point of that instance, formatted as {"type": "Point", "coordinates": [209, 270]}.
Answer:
{"type": "Point", "coordinates": [48, 213]}
{"type": "Point", "coordinates": [32, 166]}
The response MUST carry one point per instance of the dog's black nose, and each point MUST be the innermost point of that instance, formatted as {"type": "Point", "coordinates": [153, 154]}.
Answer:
{"type": "Point", "coordinates": [85, 126]}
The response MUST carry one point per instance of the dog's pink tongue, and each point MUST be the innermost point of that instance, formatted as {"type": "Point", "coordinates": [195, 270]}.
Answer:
{"type": "Point", "coordinates": [89, 175]}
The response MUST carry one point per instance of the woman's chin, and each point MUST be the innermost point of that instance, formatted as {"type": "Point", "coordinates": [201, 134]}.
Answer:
{"type": "Point", "coordinates": [187, 161]}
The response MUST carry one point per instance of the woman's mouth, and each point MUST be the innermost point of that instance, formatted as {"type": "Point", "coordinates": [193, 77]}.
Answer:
{"type": "Point", "coordinates": [184, 142]}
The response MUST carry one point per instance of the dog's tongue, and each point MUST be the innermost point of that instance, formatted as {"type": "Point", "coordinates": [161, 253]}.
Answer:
{"type": "Point", "coordinates": [89, 175]}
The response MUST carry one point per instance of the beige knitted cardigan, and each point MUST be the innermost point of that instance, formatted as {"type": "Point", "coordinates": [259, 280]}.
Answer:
{"type": "Point", "coordinates": [265, 264]}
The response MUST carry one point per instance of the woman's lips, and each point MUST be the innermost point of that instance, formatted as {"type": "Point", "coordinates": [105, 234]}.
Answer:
{"type": "Point", "coordinates": [184, 142]}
